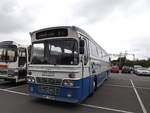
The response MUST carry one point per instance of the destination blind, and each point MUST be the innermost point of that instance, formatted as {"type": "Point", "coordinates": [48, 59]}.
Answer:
{"type": "Point", "coordinates": [52, 33]}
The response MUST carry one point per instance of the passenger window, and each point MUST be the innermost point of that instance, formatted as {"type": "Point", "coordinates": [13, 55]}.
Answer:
{"type": "Point", "coordinates": [93, 50]}
{"type": "Point", "coordinates": [103, 53]}
{"type": "Point", "coordinates": [99, 52]}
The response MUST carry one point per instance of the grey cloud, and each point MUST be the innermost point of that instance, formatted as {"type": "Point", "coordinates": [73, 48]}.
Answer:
{"type": "Point", "coordinates": [18, 37]}
{"type": "Point", "coordinates": [141, 46]}
{"type": "Point", "coordinates": [13, 17]}
{"type": "Point", "coordinates": [142, 43]}
{"type": "Point", "coordinates": [95, 10]}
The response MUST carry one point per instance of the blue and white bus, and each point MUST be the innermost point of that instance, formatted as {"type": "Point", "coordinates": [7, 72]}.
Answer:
{"type": "Point", "coordinates": [66, 64]}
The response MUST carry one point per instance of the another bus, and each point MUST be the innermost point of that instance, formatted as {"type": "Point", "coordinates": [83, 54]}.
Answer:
{"type": "Point", "coordinates": [66, 64]}
{"type": "Point", "coordinates": [13, 61]}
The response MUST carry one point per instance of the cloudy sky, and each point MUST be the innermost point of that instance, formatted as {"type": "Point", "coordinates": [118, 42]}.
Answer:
{"type": "Point", "coordinates": [117, 25]}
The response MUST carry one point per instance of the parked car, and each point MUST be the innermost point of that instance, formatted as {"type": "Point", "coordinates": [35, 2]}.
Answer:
{"type": "Point", "coordinates": [115, 69]}
{"type": "Point", "coordinates": [126, 69]}
{"type": "Point", "coordinates": [143, 71]}
{"type": "Point", "coordinates": [135, 67]}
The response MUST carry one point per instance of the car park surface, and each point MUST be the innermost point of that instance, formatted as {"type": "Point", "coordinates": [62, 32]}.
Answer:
{"type": "Point", "coordinates": [121, 93]}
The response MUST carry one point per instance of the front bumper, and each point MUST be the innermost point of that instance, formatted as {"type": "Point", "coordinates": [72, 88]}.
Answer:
{"type": "Point", "coordinates": [56, 98]}
{"type": "Point", "coordinates": [63, 96]}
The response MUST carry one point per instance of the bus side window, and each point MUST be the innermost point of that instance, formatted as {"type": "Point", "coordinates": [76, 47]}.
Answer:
{"type": "Point", "coordinates": [93, 50]}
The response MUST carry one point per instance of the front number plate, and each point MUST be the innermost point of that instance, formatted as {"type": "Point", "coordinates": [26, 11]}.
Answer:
{"type": "Point", "coordinates": [49, 90]}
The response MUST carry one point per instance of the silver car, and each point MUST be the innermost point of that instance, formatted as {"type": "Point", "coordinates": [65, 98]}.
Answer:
{"type": "Point", "coordinates": [143, 71]}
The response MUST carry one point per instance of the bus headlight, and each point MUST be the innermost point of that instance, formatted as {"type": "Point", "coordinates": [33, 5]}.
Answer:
{"type": "Point", "coordinates": [31, 79]}
{"type": "Point", "coordinates": [68, 83]}
{"type": "Point", "coordinates": [71, 75]}
{"type": "Point", "coordinates": [29, 73]}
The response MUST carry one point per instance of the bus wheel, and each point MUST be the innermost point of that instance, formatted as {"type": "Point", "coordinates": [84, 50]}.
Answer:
{"type": "Point", "coordinates": [94, 87]}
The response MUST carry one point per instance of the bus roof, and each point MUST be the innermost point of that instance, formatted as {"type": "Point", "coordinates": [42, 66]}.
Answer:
{"type": "Point", "coordinates": [72, 27]}
{"type": "Point", "coordinates": [5, 43]}
{"type": "Point", "coordinates": [75, 28]}
{"type": "Point", "coordinates": [43, 29]}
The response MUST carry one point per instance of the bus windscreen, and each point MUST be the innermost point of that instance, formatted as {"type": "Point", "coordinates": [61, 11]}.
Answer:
{"type": "Point", "coordinates": [8, 53]}
{"type": "Point", "coordinates": [55, 52]}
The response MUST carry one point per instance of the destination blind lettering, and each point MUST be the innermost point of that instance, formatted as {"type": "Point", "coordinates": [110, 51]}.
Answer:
{"type": "Point", "coordinates": [52, 33]}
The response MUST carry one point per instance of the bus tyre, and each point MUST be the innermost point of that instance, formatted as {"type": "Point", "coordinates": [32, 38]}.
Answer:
{"type": "Point", "coordinates": [94, 87]}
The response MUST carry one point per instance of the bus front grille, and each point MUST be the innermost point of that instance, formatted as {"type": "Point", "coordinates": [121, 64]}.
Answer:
{"type": "Point", "coordinates": [50, 81]}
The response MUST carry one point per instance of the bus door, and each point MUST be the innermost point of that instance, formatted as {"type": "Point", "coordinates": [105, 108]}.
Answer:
{"type": "Point", "coordinates": [84, 51]}
{"type": "Point", "coordinates": [22, 63]}
{"type": "Point", "coordinates": [85, 67]}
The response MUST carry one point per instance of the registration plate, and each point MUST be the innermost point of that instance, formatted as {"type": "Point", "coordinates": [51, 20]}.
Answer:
{"type": "Point", "coordinates": [49, 90]}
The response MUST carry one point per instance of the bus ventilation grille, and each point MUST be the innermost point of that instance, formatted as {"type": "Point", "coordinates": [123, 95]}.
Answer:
{"type": "Point", "coordinates": [50, 81]}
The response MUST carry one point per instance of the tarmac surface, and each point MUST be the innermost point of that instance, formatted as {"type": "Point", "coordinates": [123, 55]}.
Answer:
{"type": "Point", "coordinates": [121, 93]}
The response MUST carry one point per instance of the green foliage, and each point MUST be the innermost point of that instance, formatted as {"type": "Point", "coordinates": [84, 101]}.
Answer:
{"type": "Point", "coordinates": [123, 61]}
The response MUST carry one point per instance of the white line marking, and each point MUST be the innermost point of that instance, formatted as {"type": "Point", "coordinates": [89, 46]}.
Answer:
{"type": "Point", "coordinates": [105, 108]}
{"type": "Point", "coordinates": [127, 86]}
{"type": "Point", "coordinates": [141, 80]}
{"type": "Point", "coordinates": [139, 99]}
{"type": "Point", "coordinates": [143, 88]}
{"type": "Point", "coordinates": [15, 92]}
{"type": "Point", "coordinates": [15, 87]}
{"type": "Point", "coordinates": [86, 105]}
{"type": "Point", "coordinates": [120, 79]}
{"type": "Point", "coordinates": [118, 86]}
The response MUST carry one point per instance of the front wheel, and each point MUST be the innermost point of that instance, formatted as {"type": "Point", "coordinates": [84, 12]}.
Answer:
{"type": "Point", "coordinates": [94, 87]}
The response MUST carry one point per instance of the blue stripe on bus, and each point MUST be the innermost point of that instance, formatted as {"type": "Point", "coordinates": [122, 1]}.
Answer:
{"type": "Point", "coordinates": [78, 94]}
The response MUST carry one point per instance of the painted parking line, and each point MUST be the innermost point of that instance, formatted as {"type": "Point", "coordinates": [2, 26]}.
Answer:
{"type": "Point", "coordinates": [139, 99]}
{"type": "Point", "coordinates": [118, 86]}
{"type": "Point", "coordinates": [143, 88]}
{"type": "Point", "coordinates": [15, 92]}
{"type": "Point", "coordinates": [14, 87]}
{"type": "Point", "coordinates": [85, 105]}
{"type": "Point", "coordinates": [105, 108]}
{"type": "Point", "coordinates": [140, 80]}
{"type": "Point", "coordinates": [123, 86]}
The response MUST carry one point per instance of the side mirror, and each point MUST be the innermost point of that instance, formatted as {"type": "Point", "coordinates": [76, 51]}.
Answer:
{"type": "Point", "coordinates": [82, 46]}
